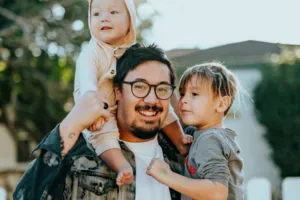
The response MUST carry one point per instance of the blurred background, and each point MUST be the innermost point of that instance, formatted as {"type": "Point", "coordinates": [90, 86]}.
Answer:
{"type": "Point", "coordinates": [259, 40]}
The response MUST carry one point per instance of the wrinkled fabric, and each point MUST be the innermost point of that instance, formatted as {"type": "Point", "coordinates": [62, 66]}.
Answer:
{"type": "Point", "coordinates": [80, 174]}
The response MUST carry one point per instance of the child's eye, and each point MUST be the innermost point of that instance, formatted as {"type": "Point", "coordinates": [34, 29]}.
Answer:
{"type": "Point", "coordinates": [113, 12]}
{"type": "Point", "coordinates": [181, 94]}
{"type": "Point", "coordinates": [96, 14]}
{"type": "Point", "coordinates": [194, 94]}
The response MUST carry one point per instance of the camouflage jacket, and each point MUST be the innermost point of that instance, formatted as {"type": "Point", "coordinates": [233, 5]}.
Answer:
{"type": "Point", "coordinates": [80, 174]}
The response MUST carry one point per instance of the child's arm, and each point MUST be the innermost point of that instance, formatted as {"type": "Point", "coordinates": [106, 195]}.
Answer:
{"type": "Point", "coordinates": [86, 74]}
{"type": "Point", "coordinates": [179, 139]}
{"type": "Point", "coordinates": [193, 188]}
{"type": "Point", "coordinates": [86, 79]}
{"type": "Point", "coordinates": [207, 165]}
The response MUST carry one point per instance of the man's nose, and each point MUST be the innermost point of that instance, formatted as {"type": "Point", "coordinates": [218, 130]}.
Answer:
{"type": "Point", "coordinates": [151, 98]}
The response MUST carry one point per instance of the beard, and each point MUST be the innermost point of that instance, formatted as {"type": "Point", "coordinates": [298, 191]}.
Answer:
{"type": "Point", "coordinates": [149, 130]}
{"type": "Point", "coordinates": [144, 132]}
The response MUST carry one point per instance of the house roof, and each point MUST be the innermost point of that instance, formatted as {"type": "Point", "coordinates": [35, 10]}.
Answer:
{"type": "Point", "coordinates": [174, 53]}
{"type": "Point", "coordinates": [242, 54]}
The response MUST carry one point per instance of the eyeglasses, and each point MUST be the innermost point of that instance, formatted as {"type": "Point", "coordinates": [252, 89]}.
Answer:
{"type": "Point", "coordinates": [140, 89]}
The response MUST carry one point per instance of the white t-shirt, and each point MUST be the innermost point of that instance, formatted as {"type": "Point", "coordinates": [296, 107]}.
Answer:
{"type": "Point", "coordinates": [147, 188]}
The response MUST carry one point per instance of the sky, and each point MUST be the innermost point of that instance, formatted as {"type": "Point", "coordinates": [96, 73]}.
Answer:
{"type": "Point", "coordinates": [208, 23]}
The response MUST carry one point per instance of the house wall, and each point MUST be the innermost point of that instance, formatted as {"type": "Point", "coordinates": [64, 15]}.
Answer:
{"type": "Point", "coordinates": [7, 149]}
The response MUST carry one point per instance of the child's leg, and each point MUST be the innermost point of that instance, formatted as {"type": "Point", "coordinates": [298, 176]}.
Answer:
{"type": "Point", "coordinates": [116, 160]}
{"type": "Point", "coordinates": [173, 130]}
{"type": "Point", "coordinates": [106, 145]}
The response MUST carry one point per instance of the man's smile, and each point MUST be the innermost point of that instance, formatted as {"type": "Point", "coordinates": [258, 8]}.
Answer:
{"type": "Point", "coordinates": [148, 113]}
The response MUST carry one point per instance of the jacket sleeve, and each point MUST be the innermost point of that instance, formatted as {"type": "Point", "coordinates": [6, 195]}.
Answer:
{"type": "Point", "coordinates": [46, 174]}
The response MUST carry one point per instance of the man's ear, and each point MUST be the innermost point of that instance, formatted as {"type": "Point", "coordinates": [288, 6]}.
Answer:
{"type": "Point", "coordinates": [223, 104]}
{"type": "Point", "coordinates": [117, 93]}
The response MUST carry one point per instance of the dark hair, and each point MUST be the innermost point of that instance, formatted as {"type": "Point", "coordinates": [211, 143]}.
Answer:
{"type": "Point", "coordinates": [136, 55]}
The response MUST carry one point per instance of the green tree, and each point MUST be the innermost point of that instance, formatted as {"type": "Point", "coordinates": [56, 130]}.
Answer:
{"type": "Point", "coordinates": [39, 43]}
{"type": "Point", "coordinates": [277, 100]}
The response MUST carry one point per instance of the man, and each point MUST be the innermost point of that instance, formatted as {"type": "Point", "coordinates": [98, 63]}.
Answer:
{"type": "Point", "coordinates": [67, 169]}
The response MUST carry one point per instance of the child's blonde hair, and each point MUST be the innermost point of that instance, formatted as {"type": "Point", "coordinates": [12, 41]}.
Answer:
{"type": "Point", "coordinates": [216, 75]}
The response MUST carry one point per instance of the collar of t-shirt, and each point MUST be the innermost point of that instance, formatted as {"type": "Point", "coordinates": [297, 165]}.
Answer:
{"type": "Point", "coordinates": [147, 188]}
{"type": "Point", "coordinates": [144, 151]}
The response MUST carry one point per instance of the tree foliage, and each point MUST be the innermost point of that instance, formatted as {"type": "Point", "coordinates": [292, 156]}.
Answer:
{"type": "Point", "coordinates": [277, 101]}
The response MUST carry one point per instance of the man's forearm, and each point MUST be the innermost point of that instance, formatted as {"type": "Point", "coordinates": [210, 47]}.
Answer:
{"type": "Point", "coordinates": [196, 188]}
{"type": "Point", "coordinates": [68, 136]}
{"type": "Point", "coordinates": [88, 108]}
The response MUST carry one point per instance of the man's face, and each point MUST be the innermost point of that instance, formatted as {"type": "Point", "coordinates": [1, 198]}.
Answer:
{"type": "Point", "coordinates": [143, 116]}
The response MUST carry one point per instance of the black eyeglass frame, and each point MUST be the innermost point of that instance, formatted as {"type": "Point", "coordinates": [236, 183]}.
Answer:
{"type": "Point", "coordinates": [150, 86]}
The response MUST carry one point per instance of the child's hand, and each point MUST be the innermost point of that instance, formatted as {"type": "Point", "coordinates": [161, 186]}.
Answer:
{"type": "Point", "coordinates": [98, 124]}
{"type": "Point", "coordinates": [185, 144]}
{"type": "Point", "coordinates": [186, 139]}
{"type": "Point", "coordinates": [158, 169]}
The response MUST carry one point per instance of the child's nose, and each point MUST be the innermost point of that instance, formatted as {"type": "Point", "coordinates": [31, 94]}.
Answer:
{"type": "Point", "coordinates": [104, 17]}
{"type": "Point", "coordinates": [183, 100]}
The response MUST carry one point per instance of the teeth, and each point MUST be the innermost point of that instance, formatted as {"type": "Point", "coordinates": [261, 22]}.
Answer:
{"type": "Point", "coordinates": [148, 113]}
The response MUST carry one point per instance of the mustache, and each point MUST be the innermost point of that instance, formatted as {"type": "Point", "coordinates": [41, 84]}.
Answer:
{"type": "Point", "coordinates": [149, 107]}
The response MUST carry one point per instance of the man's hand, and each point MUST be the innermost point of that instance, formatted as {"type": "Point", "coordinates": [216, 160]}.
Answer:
{"type": "Point", "coordinates": [159, 170]}
{"type": "Point", "coordinates": [88, 108]}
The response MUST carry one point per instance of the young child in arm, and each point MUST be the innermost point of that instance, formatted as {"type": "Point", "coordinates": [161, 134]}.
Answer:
{"type": "Point", "coordinates": [213, 167]}
{"type": "Point", "coordinates": [112, 26]}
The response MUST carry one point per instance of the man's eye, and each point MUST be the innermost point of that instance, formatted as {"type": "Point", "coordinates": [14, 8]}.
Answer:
{"type": "Point", "coordinates": [162, 89]}
{"type": "Point", "coordinates": [113, 12]}
{"type": "Point", "coordinates": [96, 14]}
{"type": "Point", "coordinates": [139, 86]}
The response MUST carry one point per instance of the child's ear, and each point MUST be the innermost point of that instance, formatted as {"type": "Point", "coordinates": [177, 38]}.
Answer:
{"type": "Point", "coordinates": [224, 103]}
{"type": "Point", "coordinates": [117, 93]}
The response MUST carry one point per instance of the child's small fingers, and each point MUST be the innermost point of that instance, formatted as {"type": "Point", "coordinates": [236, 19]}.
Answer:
{"type": "Point", "coordinates": [127, 174]}
{"type": "Point", "coordinates": [185, 140]}
{"type": "Point", "coordinates": [105, 114]}
{"type": "Point", "coordinates": [93, 127]}
{"type": "Point", "coordinates": [188, 139]}
{"type": "Point", "coordinates": [99, 125]}
{"type": "Point", "coordinates": [119, 183]}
